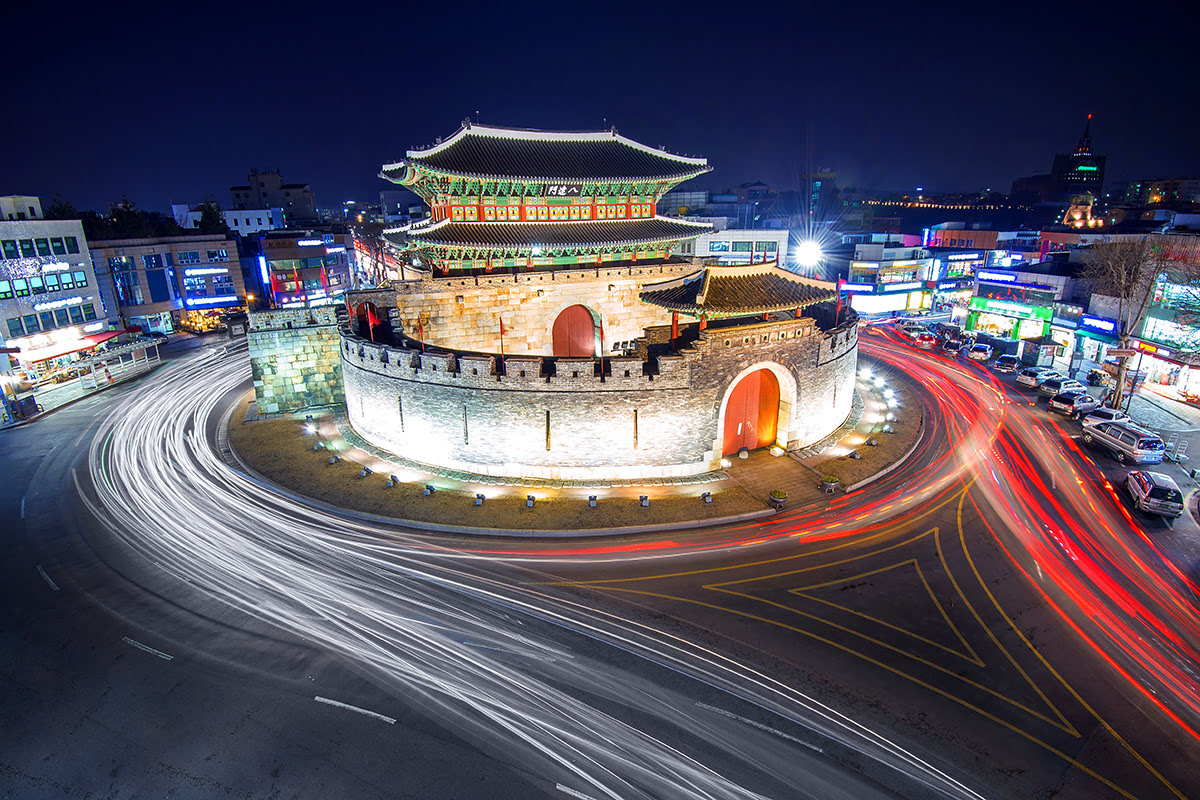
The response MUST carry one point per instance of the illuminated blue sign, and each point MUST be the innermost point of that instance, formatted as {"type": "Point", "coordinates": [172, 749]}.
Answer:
{"type": "Point", "coordinates": [1100, 325]}
{"type": "Point", "coordinates": [996, 277]}
{"type": "Point", "coordinates": [861, 288]}
{"type": "Point", "coordinates": [908, 286]}
{"type": "Point", "coordinates": [263, 271]}
{"type": "Point", "coordinates": [223, 300]}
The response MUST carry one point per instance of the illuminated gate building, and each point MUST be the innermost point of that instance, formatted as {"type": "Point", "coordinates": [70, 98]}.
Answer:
{"type": "Point", "coordinates": [547, 332]}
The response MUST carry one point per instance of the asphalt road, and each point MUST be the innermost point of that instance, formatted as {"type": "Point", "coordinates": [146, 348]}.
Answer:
{"type": "Point", "coordinates": [176, 630]}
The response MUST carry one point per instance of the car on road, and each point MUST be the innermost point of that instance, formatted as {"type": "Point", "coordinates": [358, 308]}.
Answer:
{"type": "Point", "coordinates": [910, 329]}
{"type": "Point", "coordinates": [952, 347]}
{"type": "Point", "coordinates": [1127, 442]}
{"type": "Point", "coordinates": [980, 352]}
{"type": "Point", "coordinates": [1073, 403]}
{"type": "Point", "coordinates": [1052, 386]}
{"type": "Point", "coordinates": [1006, 363]}
{"type": "Point", "coordinates": [1033, 376]}
{"type": "Point", "coordinates": [1105, 415]}
{"type": "Point", "coordinates": [1155, 493]}
{"type": "Point", "coordinates": [926, 340]}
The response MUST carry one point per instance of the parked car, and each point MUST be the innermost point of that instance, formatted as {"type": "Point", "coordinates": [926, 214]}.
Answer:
{"type": "Point", "coordinates": [1052, 386]}
{"type": "Point", "coordinates": [911, 329]}
{"type": "Point", "coordinates": [1105, 415]}
{"type": "Point", "coordinates": [1073, 403]}
{"type": "Point", "coordinates": [1127, 442]}
{"type": "Point", "coordinates": [980, 352]}
{"type": "Point", "coordinates": [952, 347]}
{"type": "Point", "coordinates": [1155, 493]}
{"type": "Point", "coordinates": [926, 340]}
{"type": "Point", "coordinates": [1033, 376]}
{"type": "Point", "coordinates": [1006, 363]}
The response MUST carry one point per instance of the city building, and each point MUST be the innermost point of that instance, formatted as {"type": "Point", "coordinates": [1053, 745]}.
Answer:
{"type": "Point", "coordinates": [162, 283]}
{"type": "Point", "coordinates": [1163, 192]}
{"type": "Point", "coordinates": [1071, 174]}
{"type": "Point", "coordinates": [736, 245]}
{"type": "Point", "coordinates": [304, 267]}
{"type": "Point", "coordinates": [266, 189]}
{"type": "Point", "coordinates": [554, 335]}
{"type": "Point", "coordinates": [51, 304]}
{"type": "Point", "coordinates": [243, 221]}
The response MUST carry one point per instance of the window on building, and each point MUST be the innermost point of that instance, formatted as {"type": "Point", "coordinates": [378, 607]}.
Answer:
{"type": "Point", "coordinates": [152, 261]}
{"type": "Point", "coordinates": [31, 323]}
{"type": "Point", "coordinates": [766, 247]}
{"type": "Point", "coordinates": [72, 244]}
{"type": "Point", "coordinates": [195, 287]}
{"type": "Point", "coordinates": [222, 285]}
{"type": "Point", "coordinates": [129, 291]}
{"type": "Point", "coordinates": [218, 255]}
{"type": "Point", "coordinates": [47, 318]}
{"type": "Point", "coordinates": [61, 318]}
{"type": "Point", "coordinates": [189, 257]}
{"type": "Point", "coordinates": [6, 290]}
{"type": "Point", "coordinates": [76, 314]}
{"type": "Point", "coordinates": [14, 327]}
{"type": "Point", "coordinates": [10, 249]}
{"type": "Point", "coordinates": [718, 247]}
{"type": "Point", "coordinates": [21, 287]}
{"type": "Point", "coordinates": [65, 281]}
{"type": "Point", "coordinates": [740, 247]}
{"type": "Point", "coordinates": [121, 263]}
{"type": "Point", "coordinates": [80, 279]}
{"type": "Point", "coordinates": [89, 311]}
{"type": "Point", "coordinates": [58, 246]}
{"type": "Point", "coordinates": [43, 246]}
{"type": "Point", "coordinates": [168, 259]}
{"type": "Point", "coordinates": [51, 280]}
{"type": "Point", "coordinates": [27, 250]}
{"type": "Point", "coordinates": [37, 285]}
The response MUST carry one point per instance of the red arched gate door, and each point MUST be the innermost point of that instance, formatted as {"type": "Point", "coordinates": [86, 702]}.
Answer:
{"type": "Point", "coordinates": [752, 413]}
{"type": "Point", "coordinates": [575, 333]}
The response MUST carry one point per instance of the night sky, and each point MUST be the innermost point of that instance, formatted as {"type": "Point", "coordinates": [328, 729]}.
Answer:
{"type": "Point", "coordinates": [169, 102]}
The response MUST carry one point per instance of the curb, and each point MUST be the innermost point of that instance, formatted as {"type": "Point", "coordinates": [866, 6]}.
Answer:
{"type": "Point", "coordinates": [895, 464]}
{"type": "Point", "coordinates": [29, 421]}
{"type": "Point", "coordinates": [542, 533]}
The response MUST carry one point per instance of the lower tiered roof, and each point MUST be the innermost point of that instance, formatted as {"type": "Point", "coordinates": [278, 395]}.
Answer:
{"type": "Point", "coordinates": [528, 236]}
{"type": "Point", "coordinates": [735, 290]}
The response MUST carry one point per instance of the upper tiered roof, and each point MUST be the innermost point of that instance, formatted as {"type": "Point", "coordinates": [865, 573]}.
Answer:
{"type": "Point", "coordinates": [514, 154]}
{"type": "Point", "coordinates": [736, 290]}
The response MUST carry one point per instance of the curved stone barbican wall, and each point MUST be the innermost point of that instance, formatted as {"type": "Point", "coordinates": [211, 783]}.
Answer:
{"type": "Point", "coordinates": [456, 411]}
{"type": "Point", "coordinates": [464, 312]}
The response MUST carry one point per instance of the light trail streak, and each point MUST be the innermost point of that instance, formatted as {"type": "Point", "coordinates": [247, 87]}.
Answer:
{"type": "Point", "coordinates": [433, 633]}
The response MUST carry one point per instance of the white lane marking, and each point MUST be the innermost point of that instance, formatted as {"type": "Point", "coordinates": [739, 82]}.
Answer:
{"type": "Point", "coordinates": [572, 792]}
{"type": "Point", "coordinates": [760, 726]}
{"type": "Point", "coordinates": [42, 572]}
{"type": "Point", "coordinates": [148, 649]}
{"type": "Point", "coordinates": [349, 707]}
{"type": "Point", "coordinates": [22, 506]}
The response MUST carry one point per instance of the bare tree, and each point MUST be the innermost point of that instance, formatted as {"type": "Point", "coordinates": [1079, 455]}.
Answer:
{"type": "Point", "coordinates": [1131, 271]}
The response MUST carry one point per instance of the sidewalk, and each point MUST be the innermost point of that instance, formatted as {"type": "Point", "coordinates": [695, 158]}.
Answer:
{"type": "Point", "coordinates": [51, 398]}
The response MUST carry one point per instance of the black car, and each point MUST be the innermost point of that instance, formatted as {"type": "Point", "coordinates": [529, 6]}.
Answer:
{"type": "Point", "coordinates": [952, 346]}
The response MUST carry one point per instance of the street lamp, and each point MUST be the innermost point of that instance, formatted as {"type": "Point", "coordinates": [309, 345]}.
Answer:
{"type": "Point", "coordinates": [808, 253]}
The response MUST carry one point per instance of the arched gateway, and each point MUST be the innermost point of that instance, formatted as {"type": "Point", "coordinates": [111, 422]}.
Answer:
{"type": "Point", "coordinates": [752, 412]}
{"type": "Point", "coordinates": [574, 333]}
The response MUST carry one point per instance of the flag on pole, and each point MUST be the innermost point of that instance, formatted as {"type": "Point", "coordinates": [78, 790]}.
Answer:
{"type": "Point", "coordinates": [372, 321]}
{"type": "Point", "coordinates": [421, 333]}
{"type": "Point", "coordinates": [837, 314]}
{"type": "Point", "coordinates": [502, 332]}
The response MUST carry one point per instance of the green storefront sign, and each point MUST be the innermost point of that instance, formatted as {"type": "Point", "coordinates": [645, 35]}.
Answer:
{"type": "Point", "coordinates": [1008, 308]}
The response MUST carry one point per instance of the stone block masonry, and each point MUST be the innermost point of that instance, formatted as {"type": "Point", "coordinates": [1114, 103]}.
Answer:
{"type": "Point", "coordinates": [294, 359]}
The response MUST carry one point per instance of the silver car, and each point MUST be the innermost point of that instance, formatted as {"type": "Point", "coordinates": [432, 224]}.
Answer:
{"type": "Point", "coordinates": [1105, 415]}
{"type": "Point", "coordinates": [1033, 376]}
{"type": "Point", "coordinates": [1127, 442]}
{"type": "Point", "coordinates": [1074, 403]}
{"type": "Point", "coordinates": [1155, 493]}
{"type": "Point", "coordinates": [1052, 386]}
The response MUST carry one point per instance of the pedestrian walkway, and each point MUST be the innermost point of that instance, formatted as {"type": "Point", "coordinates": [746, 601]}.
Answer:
{"type": "Point", "coordinates": [55, 396]}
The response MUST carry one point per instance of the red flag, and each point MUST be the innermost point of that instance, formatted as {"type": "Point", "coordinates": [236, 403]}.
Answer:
{"type": "Point", "coordinates": [502, 332]}
{"type": "Point", "coordinates": [502, 328]}
{"type": "Point", "coordinates": [674, 325]}
{"type": "Point", "coordinates": [372, 321]}
{"type": "Point", "coordinates": [837, 314]}
{"type": "Point", "coordinates": [421, 333]}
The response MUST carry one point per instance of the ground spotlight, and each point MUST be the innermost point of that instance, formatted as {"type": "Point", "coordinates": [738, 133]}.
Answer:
{"type": "Point", "coordinates": [808, 253]}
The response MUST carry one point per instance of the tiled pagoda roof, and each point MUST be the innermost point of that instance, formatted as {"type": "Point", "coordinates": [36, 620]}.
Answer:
{"type": "Point", "coordinates": [528, 235]}
{"type": "Point", "coordinates": [486, 152]}
{"type": "Point", "coordinates": [720, 290]}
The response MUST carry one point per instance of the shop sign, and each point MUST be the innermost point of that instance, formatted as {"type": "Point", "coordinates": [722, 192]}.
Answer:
{"type": "Point", "coordinates": [1100, 325]}
{"type": "Point", "coordinates": [53, 304]}
{"type": "Point", "coordinates": [1007, 308]}
{"type": "Point", "coordinates": [308, 242]}
{"type": "Point", "coordinates": [996, 277]}
{"type": "Point", "coordinates": [45, 339]}
{"type": "Point", "coordinates": [191, 302]}
{"type": "Point", "coordinates": [1121, 352]}
{"type": "Point", "coordinates": [564, 189]}
{"type": "Point", "coordinates": [859, 288]}
{"type": "Point", "coordinates": [1152, 349]}
{"type": "Point", "coordinates": [907, 286]}
{"type": "Point", "coordinates": [963, 256]}
{"type": "Point", "coordinates": [206, 271]}
{"type": "Point", "coordinates": [1017, 292]}
{"type": "Point", "coordinates": [950, 286]}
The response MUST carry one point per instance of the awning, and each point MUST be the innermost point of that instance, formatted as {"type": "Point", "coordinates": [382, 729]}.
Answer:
{"type": "Point", "coordinates": [65, 348]}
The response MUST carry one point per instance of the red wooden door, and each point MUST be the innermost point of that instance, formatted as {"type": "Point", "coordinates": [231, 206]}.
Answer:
{"type": "Point", "coordinates": [575, 333]}
{"type": "Point", "coordinates": [752, 413]}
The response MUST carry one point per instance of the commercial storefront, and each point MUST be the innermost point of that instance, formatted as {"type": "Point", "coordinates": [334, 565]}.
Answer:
{"type": "Point", "coordinates": [888, 298]}
{"type": "Point", "coordinates": [953, 294]}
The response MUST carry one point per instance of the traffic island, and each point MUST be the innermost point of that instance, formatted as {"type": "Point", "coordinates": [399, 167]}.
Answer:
{"type": "Point", "coordinates": [280, 449]}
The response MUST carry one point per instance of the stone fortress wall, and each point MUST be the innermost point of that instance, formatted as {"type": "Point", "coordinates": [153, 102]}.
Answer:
{"type": "Point", "coordinates": [464, 312]}
{"type": "Point", "coordinates": [294, 359]}
{"type": "Point", "coordinates": [560, 419]}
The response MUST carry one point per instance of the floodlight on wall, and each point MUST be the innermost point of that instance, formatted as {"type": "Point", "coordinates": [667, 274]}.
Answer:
{"type": "Point", "coordinates": [726, 463]}
{"type": "Point", "coordinates": [364, 472]}
{"type": "Point", "coordinates": [591, 501]}
{"type": "Point", "coordinates": [392, 481]}
{"type": "Point", "coordinates": [478, 499]}
{"type": "Point", "coordinates": [529, 501]}
{"type": "Point", "coordinates": [706, 497]}
{"type": "Point", "coordinates": [808, 253]}
{"type": "Point", "coordinates": [428, 490]}
{"type": "Point", "coordinates": [334, 459]}
{"type": "Point", "coordinates": [644, 500]}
